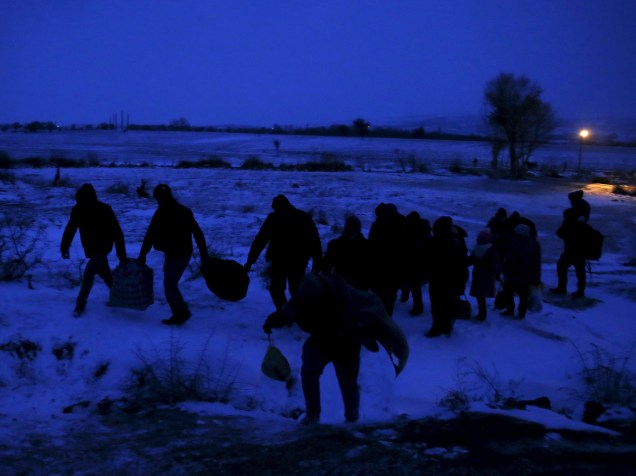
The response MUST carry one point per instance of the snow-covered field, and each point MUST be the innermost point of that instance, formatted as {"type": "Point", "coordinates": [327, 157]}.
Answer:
{"type": "Point", "coordinates": [168, 148]}
{"type": "Point", "coordinates": [78, 363]}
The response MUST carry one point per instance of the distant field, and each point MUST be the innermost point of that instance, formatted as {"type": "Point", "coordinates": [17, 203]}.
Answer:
{"type": "Point", "coordinates": [168, 148]}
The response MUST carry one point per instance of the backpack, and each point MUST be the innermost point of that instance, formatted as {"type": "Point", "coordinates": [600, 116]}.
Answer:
{"type": "Point", "coordinates": [592, 243]}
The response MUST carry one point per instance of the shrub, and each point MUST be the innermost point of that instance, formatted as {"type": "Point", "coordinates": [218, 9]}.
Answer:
{"type": "Point", "coordinates": [456, 167]}
{"type": "Point", "coordinates": [5, 160]}
{"type": "Point", "coordinates": [168, 378]}
{"type": "Point", "coordinates": [476, 383]}
{"type": "Point", "coordinates": [7, 177]}
{"type": "Point", "coordinates": [624, 190]}
{"type": "Point", "coordinates": [608, 378]}
{"type": "Point", "coordinates": [255, 163]}
{"type": "Point", "coordinates": [20, 246]}
{"type": "Point", "coordinates": [118, 187]}
{"type": "Point", "coordinates": [35, 162]}
{"type": "Point", "coordinates": [210, 162]}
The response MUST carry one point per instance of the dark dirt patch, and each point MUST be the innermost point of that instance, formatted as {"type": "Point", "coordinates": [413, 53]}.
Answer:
{"type": "Point", "coordinates": [173, 442]}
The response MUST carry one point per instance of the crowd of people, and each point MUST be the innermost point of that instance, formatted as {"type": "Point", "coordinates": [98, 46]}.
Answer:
{"type": "Point", "coordinates": [356, 281]}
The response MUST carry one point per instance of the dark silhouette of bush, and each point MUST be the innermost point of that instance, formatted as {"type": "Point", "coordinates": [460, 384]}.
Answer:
{"type": "Point", "coordinates": [254, 163]}
{"type": "Point", "coordinates": [5, 160]}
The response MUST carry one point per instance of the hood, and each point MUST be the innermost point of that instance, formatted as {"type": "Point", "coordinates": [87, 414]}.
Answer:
{"type": "Point", "coordinates": [86, 195]}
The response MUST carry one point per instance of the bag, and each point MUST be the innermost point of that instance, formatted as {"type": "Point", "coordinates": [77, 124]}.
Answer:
{"type": "Point", "coordinates": [275, 364]}
{"type": "Point", "coordinates": [132, 286]}
{"type": "Point", "coordinates": [535, 299]}
{"type": "Point", "coordinates": [226, 278]}
{"type": "Point", "coordinates": [592, 243]}
{"type": "Point", "coordinates": [501, 300]}
{"type": "Point", "coordinates": [462, 309]}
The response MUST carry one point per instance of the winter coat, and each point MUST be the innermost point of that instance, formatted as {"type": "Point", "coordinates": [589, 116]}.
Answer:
{"type": "Point", "coordinates": [171, 230]}
{"type": "Point", "coordinates": [326, 307]}
{"type": "Point", "coordinates": [97, 224]}
{"type": "Point", "coordinates": [572, 232]}
{"type": "Point", "coordinates": [522, 261]}
{"type": "Point", "coordinates": [349, 257]}
{"type": "Point", "coordinates": [486, 264]}
{"type": "Point", "coordinates": [417, 242]}
{"type": "Point", "coordinates": [387, 242]}
{"type": "Point", "coordinates": [290, 235]}
{"type": "Point", "coordinates": [448, 259]}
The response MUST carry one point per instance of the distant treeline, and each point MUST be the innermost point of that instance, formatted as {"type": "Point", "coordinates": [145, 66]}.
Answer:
{"type": "Point", "coordinates": [334, 130]}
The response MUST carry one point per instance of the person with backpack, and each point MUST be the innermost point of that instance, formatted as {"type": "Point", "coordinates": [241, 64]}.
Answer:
{"type": "Point", "coordinates": [99, 230]}
{"type": "Point", "coordinates": [574, 233]}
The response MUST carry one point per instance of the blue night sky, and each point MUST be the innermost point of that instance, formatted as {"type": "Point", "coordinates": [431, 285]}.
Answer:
{"type": "Point", "coordinates": [265, 62]}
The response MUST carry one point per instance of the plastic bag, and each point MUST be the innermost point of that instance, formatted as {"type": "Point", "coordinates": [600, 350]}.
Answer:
{"type": "Point", "coordinates": [535, 299]}
{"type": "Point", "coordinates": [132, 286]}
{"type": "Point", "coordinates": [275, 364]}
{"type": "Point", "coordinates": [462, 309]}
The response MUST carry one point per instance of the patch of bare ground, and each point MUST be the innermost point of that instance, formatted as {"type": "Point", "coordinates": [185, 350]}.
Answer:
{"type": "Point", "coordinates": [172, 442]}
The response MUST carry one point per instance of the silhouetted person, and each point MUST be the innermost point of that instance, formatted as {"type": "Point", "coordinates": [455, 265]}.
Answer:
{"type": "Point", "coordinates": [292, 239]}
{"type": "Point", "coordinates": [417, 238]}
{"type": "Point", "coordinates": [348, 255]}
{"type": "Point", "coordinates": [521, 269]}
{"type": "Point", "coordinates": [486, 263]}
{"type": "Point", "coordinates": [387, 241]}
{"type": "Point", "coordinates": [339, 319]}
{"type": "Point", "coordinates": [99, 229]}
{"type": "Point", "coordinates": [141, 190]}
{"type": "Point", "coordinates": [572, 232]}
{"type": "Point", "coordinates": [449, 273]}
{"type": "Point", "coordinates": [171, 231]}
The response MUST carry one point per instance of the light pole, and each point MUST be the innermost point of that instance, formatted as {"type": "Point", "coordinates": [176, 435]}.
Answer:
{"type": "Point", "coordinates": [583, 134]}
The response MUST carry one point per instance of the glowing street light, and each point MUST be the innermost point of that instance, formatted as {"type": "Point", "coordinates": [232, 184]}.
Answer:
{"type": "Point", "coordinates": [583, 134]}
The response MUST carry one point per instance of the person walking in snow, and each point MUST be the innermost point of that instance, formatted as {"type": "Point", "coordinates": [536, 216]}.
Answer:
{"type": "Point", "coordinates": [171, 231]}
{"type": "Point", "coordinates": [292, 239]}
{"type": "Point", "coordinates": [449, 273]}
{"type": "Point", "coordinates": [417, 240]}
{"type": "Point", "coordinates": [387, 243]}
{"type": "Point", "coordinates": [339, 320]}
{"type": "Point", "coordinates": [99, 230]}
{"type": "Point", "coordinates": [572, 232]}
{"type": "Point", "coordinates": [348, 255]}
{"type": "Point", "coordinates": [521, 269]}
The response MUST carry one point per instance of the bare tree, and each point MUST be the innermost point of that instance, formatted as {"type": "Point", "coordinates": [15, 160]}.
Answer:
{"type": "Point", "coordinates": [362, 126]}
{"type": "Point", "coordinates": [518, 117]}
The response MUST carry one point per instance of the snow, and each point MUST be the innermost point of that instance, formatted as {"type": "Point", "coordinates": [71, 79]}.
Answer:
{"type": "Point", "coordinates": [540, 356]}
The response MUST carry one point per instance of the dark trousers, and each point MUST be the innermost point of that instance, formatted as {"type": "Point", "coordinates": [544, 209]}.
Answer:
{"type": "Point", "coordinates": [510, 290]}
{"type": "Point", "coordinates": [482, 308]}
{"type": "Point", "coordinates": [414, 287]}
{"type": "Point", "coordinates": [344, 352]}
{"type": "Point", "coordinates": [565, 261]}
{"type": "Point", "coordinates": [442, 302]}
{"type": "Point", "coordinates": [173, 269]}
{"type": "Point", "coordinates": [97, 265]}
{"type": "Point", "coordinates": [283, 275]}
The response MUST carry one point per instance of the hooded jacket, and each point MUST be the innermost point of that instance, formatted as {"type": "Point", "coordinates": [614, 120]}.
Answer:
{"type": "Point", "coordinates": [97, 225]}
{"type": "Point", "coordinates": [290, 235]}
